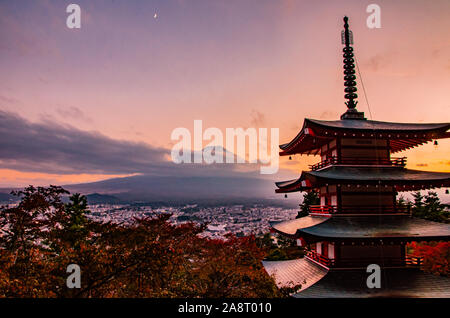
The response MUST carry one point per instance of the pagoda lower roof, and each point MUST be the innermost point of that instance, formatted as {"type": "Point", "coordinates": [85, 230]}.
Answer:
{"type": "Point", "coordinates": [316, 133]}
{"type": "Point", "coordinates": [319, 282]}
{"type": "Point", "coordinates": [403, 179]}
{"type": "Point", "coordinates": [395, 283]}
{"type": "Point", "coordinates": [298, 271]}
{"type": "Point", "coordinates": [363, 228]}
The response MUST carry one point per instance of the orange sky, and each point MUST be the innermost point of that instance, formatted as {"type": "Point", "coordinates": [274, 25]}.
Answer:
{"type": "Point", "coordinates": [232, 64]}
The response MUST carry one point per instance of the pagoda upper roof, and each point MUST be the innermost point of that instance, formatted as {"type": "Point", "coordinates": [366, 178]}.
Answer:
{"type": "Point", "coordinates": [350, 228]}
{"type": "Point", "coordinates": [316, 133]}
{"type": "Point", "coordinates": [370, 125]}
{"type": "Point", "coordinates": [404, 179]}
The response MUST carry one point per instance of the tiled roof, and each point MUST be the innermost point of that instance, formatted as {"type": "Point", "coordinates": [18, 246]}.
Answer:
{"type": "Point", "coordinates": [393, 176]}
{"type": "Point", "coordinates": [316, 133]}
{"type": "Point", "coordinates": [290, 227]}
{"type": "Point", "coordinates": [378, 174]}
{"type": "Point", "coordinates": [378, 125]}
{"type": "Point", "coordinates": [315, 228]}
{"type": "Point", "coordinates": [299, 271]}
{"type": "Point", "coordinates": [400, 282]}
{"type": "Point", "coordinates": [369, 227]}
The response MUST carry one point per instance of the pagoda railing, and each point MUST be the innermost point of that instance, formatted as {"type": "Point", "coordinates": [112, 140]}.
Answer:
{"type": "Point", "coordinates": [394, 162]}
{"type": "Point", "coordinates": [408, 261]}
{"type": "Point", "coordinates": [376, 209]}
{"type": "Point", "coordinates": [320, 258]}
{"type": "Point", "coordinates": [414, 260]}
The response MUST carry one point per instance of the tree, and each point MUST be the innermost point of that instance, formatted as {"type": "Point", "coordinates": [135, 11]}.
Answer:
{"type": "Point", "coordinates": [284, 248]}
{"type": "Point", "coordinates": [418, 202]}
{"type": "Point", "coordinates": [309, 198]}
{"type": "Point", "coordinates": [436, 256]}
{"type": "Point", "coordinates": [74, 225]}
{"type": "Point", "coordinates": [265, 241]}
{"type": "Point", "coordinates": [23, 232]}
{"type": "Point", "coordinates": [149, 258]}
{"type": "Point", "coordinates": [403, 205]}
{"type": "Point", "coordinates": [429, 207]}
{"type": "Point", "coordinates": [233, 268]}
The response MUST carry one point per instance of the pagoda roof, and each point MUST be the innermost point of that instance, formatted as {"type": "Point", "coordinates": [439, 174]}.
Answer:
{"type": "Point", "coordinates": [318, 282]}
{"type": "Point", "coordinates": [370, 125]}
{"type": "Point", "coordinates": [299, 271]}
{"type": "Point", "coordinates": [404, 179]}
{"type": "Point", "coordinates": [290, 227]}
{"type": "Point", "coordinates": [294, 185]}
{"type": "Point", "coordinates": [395, 282]}
{"type": "Point", "coordinates": [316, 133]}
{"type": "Point", "coordinates": [350, 228]}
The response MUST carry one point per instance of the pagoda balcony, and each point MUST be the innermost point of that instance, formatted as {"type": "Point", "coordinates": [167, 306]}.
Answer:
{"type": "Point", "coordinates": [328, 262]}
{"type": "Point", "coordinates": [376, 209]}
{"type": "Point", "coordinates": [392, 162]}
{"type": "Point", "coordinates": [408, 261]}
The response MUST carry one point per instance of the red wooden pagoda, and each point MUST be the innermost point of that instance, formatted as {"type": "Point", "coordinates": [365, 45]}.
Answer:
{"type": "Point", "coordinates": [358, 221]}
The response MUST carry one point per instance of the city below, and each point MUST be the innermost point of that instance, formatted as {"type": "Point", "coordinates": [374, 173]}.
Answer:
{"type": "Point", "coordinates": [241, 220]}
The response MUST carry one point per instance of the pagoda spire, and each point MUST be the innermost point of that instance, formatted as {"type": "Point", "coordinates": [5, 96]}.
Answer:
{"type": "Point", "coordinates": [349, 72]}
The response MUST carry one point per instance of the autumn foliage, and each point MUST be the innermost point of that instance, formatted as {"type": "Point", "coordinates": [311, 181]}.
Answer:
{"type": "Point", "coordinates": [42, 235]}
{"type": "Point", "coordinates": [436, 256]}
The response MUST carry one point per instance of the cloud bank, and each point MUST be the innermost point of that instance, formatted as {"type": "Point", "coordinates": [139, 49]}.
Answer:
{"type": "Point", "coordinates": [54, 148]}
{"type": "Point", "coordinates": [49, 147]}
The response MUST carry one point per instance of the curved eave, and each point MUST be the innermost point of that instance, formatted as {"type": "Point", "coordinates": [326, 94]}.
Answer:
{"type": "Point", "coordinates": [306, 142]}
{"type": "Point", "coordinates": [290, 227]}
{"type": "Point", "coordinates": [318, 282]}
{"type": "Point", "coordinates": [396, 282]}
{"type": "Point", "coordinates": [403, 179]}
{"type": "Point", "coordinates": [293, 185]}
{"type": "Point", "coordinates": [379, 126]}
{"type": "Point", "coordinates": [384, 176]}
{"type": "Point", "coordinates": [375, 228]}
{"type": "Point", "coordinates": [299, 271]}
{"type": "Point", "coordinates": [402, 136]}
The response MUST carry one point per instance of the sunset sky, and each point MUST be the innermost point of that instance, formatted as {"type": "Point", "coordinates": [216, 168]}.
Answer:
{"type": "Point", "coordinates": [116, 88]}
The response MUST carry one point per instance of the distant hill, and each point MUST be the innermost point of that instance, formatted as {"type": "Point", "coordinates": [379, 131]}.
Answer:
{"type": "Point", "coordinates": [204, 190]}
{"type": "Point", "coordinates": [237, 188]}
{"type": "Point", "coordinates": [97, 198]}
{"type": "Point", "coordinates": [6, 197]}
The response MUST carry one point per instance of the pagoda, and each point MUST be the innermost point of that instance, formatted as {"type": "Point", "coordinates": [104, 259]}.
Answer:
{"type": "Point", "coordinates": [358, 221]}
